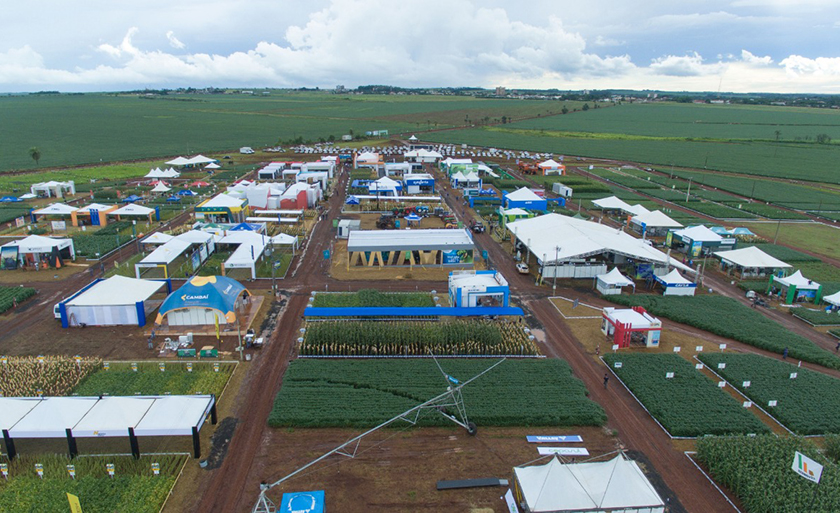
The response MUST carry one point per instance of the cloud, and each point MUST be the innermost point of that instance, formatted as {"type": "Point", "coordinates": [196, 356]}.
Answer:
{"type": "Point", "coordinates": [749, 58]}
{"type": "Point", "coordinates": [125, 47]}
{"type": "Point", "coordinates": [173, 41]}
{"type": "Point", "coordinates": [683, 66]}
{"type": "Point", "coordinates": [798, 66]}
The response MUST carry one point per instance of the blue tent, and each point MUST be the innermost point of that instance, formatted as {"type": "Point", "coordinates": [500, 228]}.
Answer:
{"type": "Point", "coordinates": [132, 199]}
{"type": "Point", "coordinates": [250, 227]}
{"type": "Point", "coordinates": [308, 502]}
{"type": "Point", "coordinates": [186, 192]}
{"type": "Point", "coordinates": [173, 198]}
{"type": "Point", "coordinates": [218, 293]}
{"type": "Point", "coordinates": [10, 199]}
{"type": "Point", "coordinates": [352, 200]}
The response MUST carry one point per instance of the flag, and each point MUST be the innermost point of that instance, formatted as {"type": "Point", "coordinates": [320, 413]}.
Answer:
{"type": "Point", "coordinates": [75, 506]}
{"type": "Point", "coordinates": [217, 325]}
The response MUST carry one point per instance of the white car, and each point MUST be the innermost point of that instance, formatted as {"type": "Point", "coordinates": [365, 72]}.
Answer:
{"type": "Point", "coordinates": [522, 268]}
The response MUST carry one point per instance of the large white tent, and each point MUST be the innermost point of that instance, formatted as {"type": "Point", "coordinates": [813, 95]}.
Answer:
{"type": "Point", "coordinates": [562, 244]}
{"type": "Point", "coordinates": [250, 247]}
{"type": "Point", "coordinates": [108, 416]}
{"type": "Point", "coordinates": [797, 280]}
{"type": "Point", "coordinates": [599, 487]}
{"type": "Point", "coordinates": [53, 188]}
{"type": "Point", "coordinates": [751, 261]}
{"type": "Point", "coordinates": [179, 161]}
{"type": "Point", "coordinates": [160, 187]}
{"type": "Point", "coordinates": [676, 285]}
{"type": "Point", "coordinates": [653, 223]}
{"type": "Point", "coordinates": [612, 282]}
{"type": "Point", "coordinates": [158, 238]}
{"type": "Point", "coordinates": [118, 300]}
{"type": "Point", "coordinates": [833, 299]}
{"type": "Point", "coordinates": [133, 210]}
{"type": "Point", "coordinates": [38, 244]}
{"type": "Point", "coordinates": [55, 209]}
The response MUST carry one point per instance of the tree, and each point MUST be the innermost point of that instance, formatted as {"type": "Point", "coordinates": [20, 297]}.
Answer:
{"type": "Point", "coordinates": [35, 153]}
{"type": "Point", "coordinates": [778, 134]}
{"type": "Point", "coordinates": [565, 110]}
{"type": "Point", "coordinates": [823, 139]}
{"type": "Point", "coordinates": [585, 106]}
{"type": "Point", "coordinates": [504, 119]}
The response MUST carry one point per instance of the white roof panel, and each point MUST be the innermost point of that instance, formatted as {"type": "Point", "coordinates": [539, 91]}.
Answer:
{"type": "Point", "coordinates": [56, 209]}
{"type": "Point", "coordinates": [699, 234]}
{"type": "Point", "coordinates": [174, 415]}
{"type": "Point", "coordinates": [112, 416]}
{"type": "Point", "coordinates": [655, 219]}
{"type": "Point", "coordinates": [15, 408]}
{"type": "Point", "coordinates": [615, 277]}
{"type": "Point", "coordinates": [52, 416]}
{"type": "Point", "coordinates": [751, 257]}
{"type": "Point", "coordinates": [117, 290]}
{"type": "Point", "coordinates": [132, 210]}
{"type": "Point", "coordinates": [797, 280]}
{"type": "Point", "coordinates": [167, 252]}
{"type": "Point", "coordinates": [523, 194]}
{"type": "Point", "coordinates": [402, 240]}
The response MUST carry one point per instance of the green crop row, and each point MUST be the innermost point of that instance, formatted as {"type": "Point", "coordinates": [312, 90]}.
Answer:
{"type": "Point", "coordinates": [719, 211]}
{"type": "Point", "coordinates": [9, 296]}
{"type": "Point", "coordinates": [817, 317]}
{"type": "Point", "coordinates": [807, 405]}
{"type": "Point", "coordinates": [175, 379]}
{"type": "Point", "coordinates": [90, 245]}
{"type": "Point", "coordinates": [768, 211]}
{"type": "Point", "coordinates": [415, 338]}
{"type": "Point", "coordinates": [688, 404]}
{"type": "Point", "coordinates": [758, 470]}
{"type": "Point", "coordinates": [363, 393]}
{"type": "Point", "coordinates": [133, 488]}
{"type": "Point", "coordinates": [784, 253]}
{"type": "Point", "coordinates": [728, 318]}
{"type": "Point", "coordinates": [373, 298]}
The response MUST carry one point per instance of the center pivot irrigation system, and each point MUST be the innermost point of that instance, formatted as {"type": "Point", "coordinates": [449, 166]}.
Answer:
{"type": "Point", "coordinates": [451, 398]}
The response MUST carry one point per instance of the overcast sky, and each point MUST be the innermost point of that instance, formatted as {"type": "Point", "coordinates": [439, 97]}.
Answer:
{"type": "Point", "coordinates": [709, 45]}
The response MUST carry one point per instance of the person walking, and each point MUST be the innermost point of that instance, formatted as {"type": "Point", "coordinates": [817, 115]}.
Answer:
{"type": "Point", "coordinates": [606, 379]}
{"type": "Point", "coordinates": [837, 347]}
{"type": "Point", "coordinates": [784, 354]}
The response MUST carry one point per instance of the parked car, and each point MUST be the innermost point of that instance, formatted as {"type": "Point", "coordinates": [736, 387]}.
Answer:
{"type": "Point", "coordinates": [522, 268]}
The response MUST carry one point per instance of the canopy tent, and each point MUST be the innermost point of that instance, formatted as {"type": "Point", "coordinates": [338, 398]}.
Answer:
{"type": "Point", "coordinates": [166, 253]}
{"type": "Point", "coordinates": [596, 487]}
{"type": "Point", "coordinates": [560, 244]}
{"type": "Point", "coordinates": [385, 185]}
{"type": "Point", "coordinates": [179, 161]}
{"type": "Point", "coordinates": [250, 247]}
{"type": "Point", "coordinates": [10, 199]}
{"type": "Point", "coordinates": [676, 285]}
{"type": "Point", "coordinates": [525, 198]}
{"type": "Point", "coordinates": [284, 239]}
{"type": "Point", "coordinates": [611, 203]}
{"type": "Point", "coordinates": [550, 167]}
{"type": "Point", "coordinates": [653, 223]}
{"type": "Point", "coordinates": [116, 301]}
{"type": "Point", "coordinates": [833, 299]}
{"type": "Point", "coordinates": [457, 178]}
{"type": "Point", "coordinates": [132, 198]}
{"type": "Point", "coordinates": [53, 188]}
{"type": "Point", "coordinates": [612, 282]}
{"type": "Point", "coordinates": [186, 192]}
{"type": "Point", "coordinates": [201, 300]}
{"type": "Point", "coordinates": [201, 159]}
{"type": "Point", "coordinates": [795, 288]}
{"type": "Point", "coordinates": [751, 261]}
{"type": "Point", "coordinates": [698, 234]}
{"type": "Point", "coordinates": [212, 165]}
{"type": "Point", "coordinates": [55, 209]}
{"type": "Point", "coordinates": [352, 200]}
{"type": "Point", "coordinates": [108, 416]}
{"type": "Point", "coordinates": [39, 245]}
{"type": "Point", "coordinates": [160, 187]}
{"type": "Point", "coordinates": [158, 238]}
{"type": "Point", "coordinates": [133, 210]}
{"type": "Point", "coordinates": [698, 240]}
{"type": "Point", "coordinates": [232, 208]}
{"type": "Point", "coordinates": [472, 178]}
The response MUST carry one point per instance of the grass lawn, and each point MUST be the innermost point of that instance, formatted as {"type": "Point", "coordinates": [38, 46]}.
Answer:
{"type": "Point", "coordinates": [814, 237]}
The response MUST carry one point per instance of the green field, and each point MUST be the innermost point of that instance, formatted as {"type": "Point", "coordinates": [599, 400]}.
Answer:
{"type": "Point", "coordinates": [687, 405]}
{"type": "Point", "coordinates": [807, 405]}
{"type": "Point", "coordinates": [363, 393]}
{"type": "Point", "coordinates": [120, 379]}
{"type": "Point", "coordinates": [91, 128]}
{"type": "Point", "coordinates": [732, 138]}
{"type": "Point", "coordinates": [814, 237]}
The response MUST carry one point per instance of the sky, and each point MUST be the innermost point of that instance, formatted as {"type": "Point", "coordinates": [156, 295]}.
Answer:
{"type": "Point", "coordinates": [712, 45]}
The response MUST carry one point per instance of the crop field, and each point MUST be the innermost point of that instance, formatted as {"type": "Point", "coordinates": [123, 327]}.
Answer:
{"type": "Point", "coordinates": [372, 298]}
{"type": "Point", "coordinates": [149, 379]}
{"type": "Point", "coordinates": [28, 376]}
{"type": "Point", "coordinates": [784, 253]}
{"type": "Point", "coordinates": [687, 405]}
{"type": "Point", "coordinates": [758, 470]}
{"type": "Point", "coordinates": [815, 237]}
{"type": "Point", "coordinates": [104, 175]}
{"type": "Point", "coordinates": [108, 127]}
{"type": "Point", "coordinates": [133, 488]}
{"type": "Point", "coordinates": [768, 211]}
{"type": "Point", "coordinates": [818, 317]}
{"type": "Point", "coordinates": [363, 393]}
{"type": "Point", "coordinates": [807, 405]}
{"type": "Point", "coordinates": [9, 296]}
{"type": "Point", "coordinates": [415, 338]}
{"type": "Point", "coordinates": [728, 318]}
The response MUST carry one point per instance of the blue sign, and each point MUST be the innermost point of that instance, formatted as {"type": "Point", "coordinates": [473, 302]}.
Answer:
{"type": "Point", "coordinates": [538, 439]}
{"type": "Point", "coordinates": [326, 254]}
{"type": "Point", "coordinates": [302, 502]}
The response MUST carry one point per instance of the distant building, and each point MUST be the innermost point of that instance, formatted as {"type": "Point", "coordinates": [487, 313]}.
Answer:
{"type": "Point", "coordinates": [501, 91]}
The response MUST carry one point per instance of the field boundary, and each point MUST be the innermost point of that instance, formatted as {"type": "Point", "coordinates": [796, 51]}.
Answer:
{"type": "Point", "coordinates": [812, 324]}
{"type": "Point", "coordinates": [177, 478]}
{"type": "Point", "coordinates": [369, 357]}
{"type": "Point", "coordinates": [688, 455]}
{"type": "Point", "coordinates": [579, 304]}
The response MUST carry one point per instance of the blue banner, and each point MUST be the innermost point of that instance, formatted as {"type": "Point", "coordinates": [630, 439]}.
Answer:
{"type": "Point", "coordinates": [538, 439]}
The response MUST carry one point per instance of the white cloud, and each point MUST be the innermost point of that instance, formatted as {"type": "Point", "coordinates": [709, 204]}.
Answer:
{"type": "Point", "coordinates": [799, 66]}
{"type": "Point", "coordinates": [749, 58]}
{"type": "Point", "coordinates": [173, 41]}
{"type": "Point", "coordinates": [683, 66]}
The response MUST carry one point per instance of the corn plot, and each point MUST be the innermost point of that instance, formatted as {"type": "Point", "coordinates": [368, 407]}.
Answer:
{"type": "Point", "coordinates": [415, 338]}
{"type": "Point", "coordinates": [363, 393]}
{"type": "Point", "coordinates": [807, 405]}
{"type": "Point", "coordinates": [758, 471]}
{"type": "Point", "coordinates": [687, 404]}
{"type": "Point", "coordinates": [133, 488]}
{"type": "Point", "coordinates": [29, 376]}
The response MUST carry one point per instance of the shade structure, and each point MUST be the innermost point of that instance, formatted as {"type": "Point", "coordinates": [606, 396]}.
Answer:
{"type": "Point", "coordinates": [186, 192]}
{"type": "Point", "coordinates": [132, 198]}
{"type": "Point", "coordinates": [615, 278]}
{"type": "Point", "coordinates": [179, 161]}
{"type": "Point", "coordinates": [833, 299]}
{"type": "Point", "coordinates": [699, 234]}
{"type": "Point", "coordinates": [40, 244]}
{"type": "Point", "coordinates": [284, 239]}
{"type": "Point", "coordinates": [352, 200]}
{"type": "Point", "coordinates": [797, 280]}
{"type": "Point", "coordinates": [55, 209]}
{"type": "Point", "coordinates": [676, 285]}
{"type": "Point", "coordinates": [614, 485]}
{"type": "Point", "coordinates": [160, 187]}
{"type": "Point", "coordinates": [117, 290]}
{"type": "Point", "coordinates": [133, 210]}
{"type": "Point", "coordinates": [212, 165]}
{"type": "Point", "coordinates": [655, 219]}
{"type": "Point", "coordinates": [751, 257]}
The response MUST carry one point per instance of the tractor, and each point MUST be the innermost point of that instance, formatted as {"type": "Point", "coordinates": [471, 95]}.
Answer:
{"type": "Point", "coordinates": [386, 222]}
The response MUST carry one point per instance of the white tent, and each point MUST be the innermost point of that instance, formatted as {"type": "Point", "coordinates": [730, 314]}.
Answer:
{"type": "Point", "coordinates": [53, 188]}
{"type": "Point", "coordinates": [797, 280]}
{"type": "Point", "coordinates": [132, 210]}
{"type": "Point", "coordinates": [170, 173]}
{"type": "Point", "coordinates": [37, 244]}
{"type": "Point", "coordinates": [55, 209]}
{"type": "Point", "coordinates": [158, 238]}
{"type": "Point", "coordinates": [636, 210]}
{"type": "Point", "coordinates": [250, 248]}
{"type": "Point", "coordinates": [612, 282]}
{"type": "Point", "coordinates": [833, 299]}
{"type": "Point", "coordinates": [284, 239]}
{"type": "Point", "coordinates": [161, 188]}
{"type": "Point", "coordinates": [472, 177]}
{"type": "Point", "coordinates": [655, 219]}
{"type": "Point", "coordinates": [385, 185]}
{"type": "Point", "coordinates": [116, 301]}
{"type": "Point", "coordinates": [93, 206]}
{"type": "Point", "coordinates": [201, 159]}
{"type": "Point", "coordinates": [611, 203]}
{"type": "Point", "coordinates": [212, 165]}
{"type": "Point", "coordinates": [699, 234]}
{"type": "Point", "coordinates": [751, 261]}
{"type": "Point", "coordinates": [180, 161]}
{"type": "Point", "coordinates": [676, 285]}
{"type": "Point", "coordinates": [600, 487]}
{"type": "Point", "coordinates": [155, 173]}
{"type": "Point", "coordinates": [523, 194]}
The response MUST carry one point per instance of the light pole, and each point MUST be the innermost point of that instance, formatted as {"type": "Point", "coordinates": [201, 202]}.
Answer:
{"type": "Point", "coordinates": [556, 257]}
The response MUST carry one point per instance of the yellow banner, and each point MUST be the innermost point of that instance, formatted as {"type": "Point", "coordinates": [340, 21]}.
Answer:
{"type": "Point", "coordinates": [217, 326]}
{"type": "Point", "coordinates": [75, 507]}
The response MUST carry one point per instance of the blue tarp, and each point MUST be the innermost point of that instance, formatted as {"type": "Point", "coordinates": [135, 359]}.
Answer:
{"type": "Point", "coordinates": [173, 198]}
{"type": "Point", "coordinates": [302, 502]}
{"type": "Point", "coordinates": [247, 227]}
{"type": "Point", "coordinates": [410, 311]}
{"type": "Point", "coordinates": [213, 292]}
{"type": "Point", "coordinates": [10, 199]}
{"type": "Point", "coordinates": [352, 200]}
{"type": "Point", "coordinates": [132, 199]}
{"type": "Point", "coordinates": [186, 192]}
